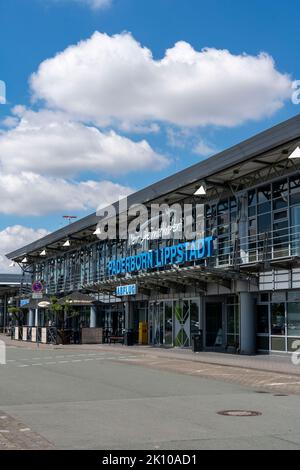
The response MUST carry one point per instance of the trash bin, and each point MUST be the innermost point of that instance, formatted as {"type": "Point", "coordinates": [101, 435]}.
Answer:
{"type": "Point", "coordinates": [197, 342]}
{"type": "Point", "coordinates": [128, 338]}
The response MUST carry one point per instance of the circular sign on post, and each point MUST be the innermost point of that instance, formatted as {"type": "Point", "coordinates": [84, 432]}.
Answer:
{"type": "Point", "coordinates": [37, 287]}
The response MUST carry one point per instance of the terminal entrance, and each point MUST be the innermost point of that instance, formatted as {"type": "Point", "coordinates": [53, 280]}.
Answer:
{"type": "Point", "coordinates": [213, 322]}
{"type": "Point", "coordinates": [173, 322]}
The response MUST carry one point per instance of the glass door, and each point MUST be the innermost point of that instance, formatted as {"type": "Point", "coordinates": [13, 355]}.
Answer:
{"type": "Point", "coordinates": [213, 322]}
{"type": "Point", "coordinates": [156, 323]}
{"type": "Point", "coordinates": [186, 316]}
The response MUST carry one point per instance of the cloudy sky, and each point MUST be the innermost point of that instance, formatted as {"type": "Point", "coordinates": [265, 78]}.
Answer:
{"type": "Point", "coordinates": [107, 96]}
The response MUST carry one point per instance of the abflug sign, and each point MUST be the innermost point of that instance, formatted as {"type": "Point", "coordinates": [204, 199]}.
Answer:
{"type": "Point", "coordinates": [176, 254]}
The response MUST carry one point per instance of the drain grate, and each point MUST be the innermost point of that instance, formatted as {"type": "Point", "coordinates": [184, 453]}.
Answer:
{"type": "Point", "coordinates": [243, 413]}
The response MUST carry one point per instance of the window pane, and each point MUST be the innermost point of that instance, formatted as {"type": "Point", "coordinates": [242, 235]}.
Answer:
{"type": "Point", "coordinates": [195, 325]}
{"type": "Point", "coordinates": [252, 200]}
{"type": "Point", "coordinates": [262, 343]}
{"type": "Point", "coordinates": [262, 319]}
{"type": "Point", "coordinates": [264, 194]}
{"type": "Point", "coordinates": [265, 207]}
{"type": "Point", "coordinates": [280, 215]}
{"type": "Point", "coordinates": [280, 194]}
{"type": "Point", "coordinates": [168, 323]}
{"type": "Point", "coordinates": [278, 319]}
{"type": "Point", "coordinates": [295, 190]}
{"type": "Point", "coordinates": [264, 223]}
{"type": "Point", "coordinates": [277, 344]}
{"type": "Point", "coordinates": [294, 319]}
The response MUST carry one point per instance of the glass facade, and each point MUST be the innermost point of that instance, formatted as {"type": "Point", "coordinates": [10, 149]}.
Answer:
{"type": "Point", "coordinates": [278, 320]}
{"type": "Point", "coordinates": [274, 220]}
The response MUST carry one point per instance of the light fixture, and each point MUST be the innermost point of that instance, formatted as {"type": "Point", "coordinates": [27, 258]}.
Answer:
{"type": "Point", "coordinates": [295, 153]}
{"type": "Point", "coordinates": [67, 243]}
{"type": "Point", "coordinates": [201, 191]}
{"type": "Point", "coordinates": [97, 231]}
{"type": "Point", "coordinates": [24, 260]}
{"type": "Point", "coordinates": [43, 253]}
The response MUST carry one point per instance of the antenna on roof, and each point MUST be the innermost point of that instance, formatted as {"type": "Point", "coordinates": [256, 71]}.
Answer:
{"type": "Point", "coordinates": [69, 217]}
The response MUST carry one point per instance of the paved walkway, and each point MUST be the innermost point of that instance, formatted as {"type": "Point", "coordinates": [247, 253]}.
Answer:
{"type": "Point", "coordinates": [272, 363]}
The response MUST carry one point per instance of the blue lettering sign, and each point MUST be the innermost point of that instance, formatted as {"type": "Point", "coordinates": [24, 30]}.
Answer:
{"type": "Point", "coordinates": [176, 254]}
{"type": "Point", "coordinates": [131, 289]}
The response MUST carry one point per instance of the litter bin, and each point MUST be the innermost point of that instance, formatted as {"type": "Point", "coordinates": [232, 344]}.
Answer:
{"type": "Point", "coordinates": [128, 338]}
{"type": "Point", "coordinates": [197, 342]}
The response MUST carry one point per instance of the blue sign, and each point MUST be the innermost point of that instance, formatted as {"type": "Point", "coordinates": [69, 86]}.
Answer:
{"type": "Point", "coordinates": [131, 289]}
{"type": "Point", "coordinates": [24, 302]}
{"type": "Point", "coordinates": [176, 254]}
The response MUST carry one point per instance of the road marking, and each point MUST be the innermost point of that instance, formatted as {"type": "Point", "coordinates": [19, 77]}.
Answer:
{"type": "Point", "coordinates": [4, 431]}
{"type": "Point", "coordinates": [63, 362]}
{"type": "Point", "coordinates": [24, 365]}
{"type": "Point", "coordinates": [89, 359]}
{"type": "Point", "coordinates": [283, 383]}
{"type": "Point", "coordinates": [50, 363]}
{"type": "Point", "coordinates": [25, 430]}
{"type": "Point", "coordinates": [11, 360]}
{"type": "Point", "coordinates": [76, 360]}
{"type": "Point", "coordinates": [37, 364]}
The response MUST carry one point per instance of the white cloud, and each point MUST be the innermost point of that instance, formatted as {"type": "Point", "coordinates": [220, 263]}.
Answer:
{"type": "Point", "coordinates": [114, 79]}
{"type": "Point", "coordinates": [97, 4]}
{"type": "Point", "coordinates": [204, 149]}
{"type": "Point", "coordinates": [31, 194]}
{"type": "Point", "coordinates": [14, 237]}
{"type": "Point", "coordinates": [50, 143]}
{"type": "Point", "coordinates": [93, 4]}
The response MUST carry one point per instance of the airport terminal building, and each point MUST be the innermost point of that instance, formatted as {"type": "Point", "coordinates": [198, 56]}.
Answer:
{"type": "Point", "coordinates": [238, 280]}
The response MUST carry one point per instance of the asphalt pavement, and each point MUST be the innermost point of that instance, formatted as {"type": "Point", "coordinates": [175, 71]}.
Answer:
{"type": "Point", "coordinates": [119, 399]}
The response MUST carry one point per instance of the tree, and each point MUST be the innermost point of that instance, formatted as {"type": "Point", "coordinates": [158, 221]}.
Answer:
{"type": "Point", "coordinates": [17, 314]}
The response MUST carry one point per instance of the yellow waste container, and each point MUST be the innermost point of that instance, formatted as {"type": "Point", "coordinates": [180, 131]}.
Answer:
{"type": "Point", "coordinates": [143, 333]}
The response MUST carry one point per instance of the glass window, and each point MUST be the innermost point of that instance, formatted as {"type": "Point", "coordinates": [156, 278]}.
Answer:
{"type": "Point", "coordinates": [278, 344]}
{"type": "Point", "coordinates": [264, 297]}
{"type": "Point", "coordinates": [295, 190]}
{"type": "Point", "coordinates": [264, 194]}
{"type": "Point", "coordinates": [252, 200]}
{"type": "Point", "coordinates": [280, 215]}
{"type": "Point", "coordinates": [262, 318]}
{"type": "Point", "coordinates": [293, 322]}
{"type": "Point", "coordinates": [194, 312]}
{"type": "Point", "coordinates": [278, 319]}
{"type": "Point", "coordinates": [280, 194]}
{"type": "Point", "coordinates": [264, 223]}
{"type": "Point", "coordinates": [168, 323]}
{"type": "Point", "coordinates": [295, 230]}
{"type": "Point", "coordinates": [262, 343]}
{"type": "Point", "coordinates": [294, 296]}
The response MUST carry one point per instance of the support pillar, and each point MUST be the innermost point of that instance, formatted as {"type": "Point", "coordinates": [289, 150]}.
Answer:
{"type": "Point", "coordinates": [31, 317]}
{"type": "Point", "coordinates": [36, 319]}
{"type": "Point", "coordinates": [93, 316]}
{"type": "Point", "coordinates": [128, 315]}
{"type": "Point", "coordinates": [247, 324]}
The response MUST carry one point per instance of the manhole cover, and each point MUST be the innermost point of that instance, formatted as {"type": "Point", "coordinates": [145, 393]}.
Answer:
{"type": "Point", "coordinates": [239, 413]}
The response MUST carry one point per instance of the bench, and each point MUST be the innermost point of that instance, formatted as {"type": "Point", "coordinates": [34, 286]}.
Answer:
{"type": "Point", "coordinates": [116, 339]}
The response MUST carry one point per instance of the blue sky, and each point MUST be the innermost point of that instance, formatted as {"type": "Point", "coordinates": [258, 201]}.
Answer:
{"type": "Point", "coordinates": [33, 31]}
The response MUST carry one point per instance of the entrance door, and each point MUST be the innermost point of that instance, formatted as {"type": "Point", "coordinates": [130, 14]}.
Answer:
{"type": "Point", "coordinates": [214, 331]}
{"type": "Point", "coordinates": [156, 326]}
